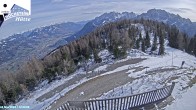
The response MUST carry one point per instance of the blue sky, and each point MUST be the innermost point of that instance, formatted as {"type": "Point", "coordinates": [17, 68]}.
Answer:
{"type": "Point", "coordinates": [46, 12]}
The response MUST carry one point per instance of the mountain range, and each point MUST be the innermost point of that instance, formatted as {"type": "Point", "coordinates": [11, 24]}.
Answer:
{"type": "Point", "coordinates": [35, 42]}
{"type": "Point", "coordinates": [40, 41]}
{"type": "Point", "coordinates": [184, 25]}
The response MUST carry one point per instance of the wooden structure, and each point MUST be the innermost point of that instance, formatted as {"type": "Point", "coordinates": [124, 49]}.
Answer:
{"type": "Point", "coordinates": [121, 103]}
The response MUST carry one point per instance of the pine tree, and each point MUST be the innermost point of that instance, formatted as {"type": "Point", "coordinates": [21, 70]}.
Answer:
{"type": "Point", "coordinates": [173, 33]}
{"type": "Point", "coordinates": [3, 91]}
{"type": "Point", "coordinates": [143, 45]}
{"type": "Point", "coordinates": [185, 41]}
{"type": "Point", "coordinates": [131, 33]}
{"type": "Point", "coordinates": [10, 96]}
{"type": "Point", "coordinates": [140, 36]}
{"type": "Point", "coordinates": [96, 57]}
{"type": "Point", "coordinates": [154, 45]}
{"type": "Point", "coordinates": [161, 48]}
{"type": "Point", "coordinates": [147, 40]}
{"type": "Point", "coordinates": [194, 51]}
{"type": "Point", "coordinates": [1, 102]}
{"type": "Point", "coordinates": [191, 46]}
{"type": "Point", "coordinates": [137, 45]}
{"type": "Point", "coordinates": [138, 41]}
{"type": "Point", "coordinates": [180, 41]}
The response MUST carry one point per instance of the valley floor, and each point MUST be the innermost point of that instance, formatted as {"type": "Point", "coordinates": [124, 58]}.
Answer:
{"type": "Point", "coordinates": [137, 73]}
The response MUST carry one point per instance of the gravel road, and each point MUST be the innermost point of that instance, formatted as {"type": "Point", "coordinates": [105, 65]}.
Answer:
{"type": "Point", "coordinates": [96, 86]}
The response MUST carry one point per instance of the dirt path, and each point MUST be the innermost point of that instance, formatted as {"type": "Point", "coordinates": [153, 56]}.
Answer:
{"type": "Point", "coordinates": [97, 86]}
{"type": "Point", "coordinates": [94, 88]}
{"type": "Point", "coordinates": [60, 88]}
{"type": "Point", "coordinates": [119, 64]}
{"type": "Point", "coordinates": [81, 76]}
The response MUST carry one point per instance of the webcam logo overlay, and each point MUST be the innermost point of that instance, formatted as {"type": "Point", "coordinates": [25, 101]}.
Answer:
{"type": "Point", "coordinates": [18, 9]}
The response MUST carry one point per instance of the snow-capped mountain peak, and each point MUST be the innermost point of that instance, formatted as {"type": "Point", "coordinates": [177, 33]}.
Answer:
{"type": "Point", "coordinates": [184, 25]}
{"type": "Point", "coordinates": [111, 17]}
{"type": "Point", "coordinates": [100, 21]}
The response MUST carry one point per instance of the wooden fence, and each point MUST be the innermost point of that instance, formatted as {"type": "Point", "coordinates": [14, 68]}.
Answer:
{"type": "Point", "coordinates": [121, 103]}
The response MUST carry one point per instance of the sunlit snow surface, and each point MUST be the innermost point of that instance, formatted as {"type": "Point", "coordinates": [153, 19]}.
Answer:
{"type": "Point", "coordinates": [186, 102]}
{"type": "Point", "coordinates": [147, 81]}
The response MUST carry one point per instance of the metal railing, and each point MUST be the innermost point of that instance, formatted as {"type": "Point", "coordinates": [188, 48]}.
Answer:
{"type": "Point", "coordinates": [121, 103]}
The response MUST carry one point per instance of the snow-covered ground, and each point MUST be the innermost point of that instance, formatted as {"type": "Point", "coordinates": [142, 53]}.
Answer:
{"type": "Point", "coordinates": [169, 71]}
{"type": "Point", "coordinates": [145, 79]}
{"type": "Point", "coordinates": [43, 88]}
{"type": "Point", "coordinates": [186, 102]}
